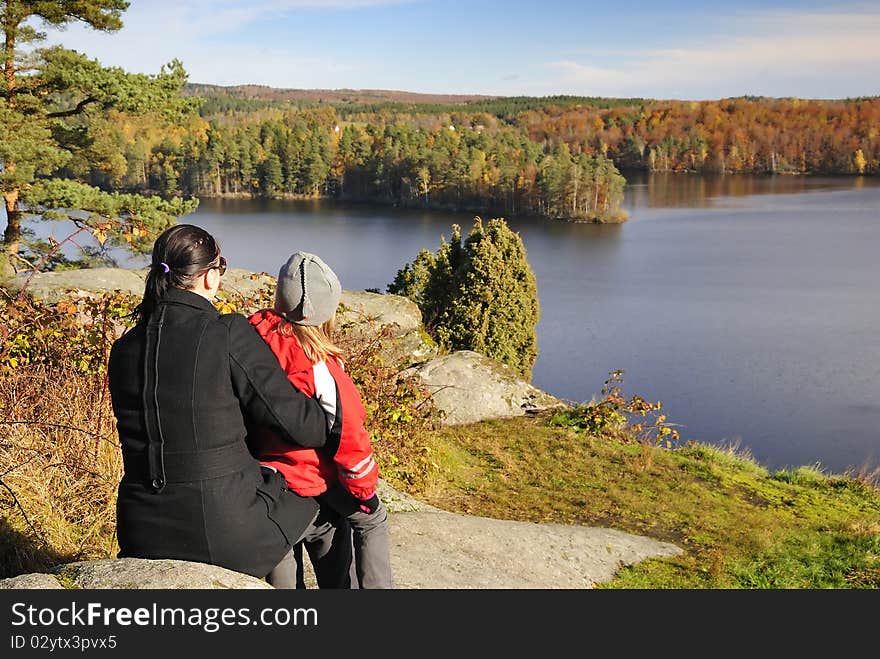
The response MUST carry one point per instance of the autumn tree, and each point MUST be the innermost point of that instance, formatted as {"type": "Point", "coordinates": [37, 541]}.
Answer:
{"type": "Point", "coordinates": [51, 102]}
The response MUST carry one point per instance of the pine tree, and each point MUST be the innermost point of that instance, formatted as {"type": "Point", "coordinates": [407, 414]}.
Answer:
{"type": "Point", "coordinates": [51, 101]}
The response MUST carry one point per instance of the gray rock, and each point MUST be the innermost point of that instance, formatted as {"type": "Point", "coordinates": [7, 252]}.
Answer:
{"type": "Point", "coordinates": [7, 270]}
{"type": "Point", "coordinates": [136, 573]}
{"type": "Point", "coordinates": [400, 502]}
{"type": "Point", "coordinates": [35, 581]}
{"type": "Point", "coordinates": [246, 283]}
{"type": "Point", "coordinates": [432, 548]}
{"type": "Point", "coordinates": [50, 287]}
{"type": "Point", "coordinates": [470, 387]}
{"type": "Point", "coordinates": [367, 314]}
{"type": "Point", "coordinates": [444, 550]}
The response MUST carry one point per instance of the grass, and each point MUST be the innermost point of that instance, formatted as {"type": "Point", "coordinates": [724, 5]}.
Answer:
{"type": "Point", "coordinates": [59, 468]}
{"type": "Point", "coordinates": [740, 525]}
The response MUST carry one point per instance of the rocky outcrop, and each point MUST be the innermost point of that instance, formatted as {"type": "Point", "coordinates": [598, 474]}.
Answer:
{"type": "Point", "coordinates": [433, 548]}
{"type": "Point", "coordinates": [467, 386]}
{"type": "Point", "coordinates": [430, 548]}
{"type": "Point", "coordinates": [7, 271]}
{"type": "Point", "coordinates": [445, 550]}
{"type": "Point", "coordinates": [470, 387]}
{"type": "Point", "coordinates": [52, 286]}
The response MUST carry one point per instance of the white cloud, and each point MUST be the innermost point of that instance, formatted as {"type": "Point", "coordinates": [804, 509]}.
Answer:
{"type": "Point", "coordinates": [774, 54]}
{"type": "Point", "coordinates": [195, 32]}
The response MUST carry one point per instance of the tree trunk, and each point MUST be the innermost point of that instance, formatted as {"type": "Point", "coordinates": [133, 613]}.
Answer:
{"type": "Point", "coordinates": [12, 235]}
{"type": "Point", "coordinates": [9, 66]}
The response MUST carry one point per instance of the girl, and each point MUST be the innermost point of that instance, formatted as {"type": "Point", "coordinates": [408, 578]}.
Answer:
{"type": "Point", "coordinates": [343, 475]}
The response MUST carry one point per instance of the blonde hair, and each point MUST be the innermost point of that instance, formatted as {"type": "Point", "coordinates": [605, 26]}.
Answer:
{"type": "Point", "coordinates": [317, 342]}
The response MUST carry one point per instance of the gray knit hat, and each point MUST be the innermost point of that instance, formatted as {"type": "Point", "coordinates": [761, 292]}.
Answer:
{"type": "Point", "coordinates": [308, 290]}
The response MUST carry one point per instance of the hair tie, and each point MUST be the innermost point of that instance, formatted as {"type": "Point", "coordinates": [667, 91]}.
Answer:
{"type": "Point", "coordinates": [165, 265]}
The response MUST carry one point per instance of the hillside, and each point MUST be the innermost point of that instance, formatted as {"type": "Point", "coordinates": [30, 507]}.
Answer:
{"type": "Point", "coordinates": [360, 96]}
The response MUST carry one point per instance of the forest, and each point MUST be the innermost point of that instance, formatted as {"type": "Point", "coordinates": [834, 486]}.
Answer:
{"type": "Point", "coordinates": [557, 157]}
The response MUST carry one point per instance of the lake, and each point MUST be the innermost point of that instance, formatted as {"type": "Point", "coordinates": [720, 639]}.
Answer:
{"type": "Point", "coordinates": [748, 305]}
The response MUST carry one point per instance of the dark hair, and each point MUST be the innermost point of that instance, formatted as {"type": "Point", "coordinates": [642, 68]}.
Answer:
{"type": "Point", "coordinates": [179, 254]}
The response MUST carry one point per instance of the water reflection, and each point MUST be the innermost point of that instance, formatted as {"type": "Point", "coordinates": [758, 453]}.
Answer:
{"type": "Point", "coordinates": [671, 190]}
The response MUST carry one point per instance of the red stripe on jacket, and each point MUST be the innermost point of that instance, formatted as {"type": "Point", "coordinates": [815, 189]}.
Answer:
{"type": "Point", "coordinates": [311, 471]}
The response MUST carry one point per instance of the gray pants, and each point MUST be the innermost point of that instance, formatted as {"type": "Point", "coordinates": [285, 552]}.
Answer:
{"type": "Point", "coordinates": [328, 542]}
{"type": "Point", "coordinates": [372, 556]}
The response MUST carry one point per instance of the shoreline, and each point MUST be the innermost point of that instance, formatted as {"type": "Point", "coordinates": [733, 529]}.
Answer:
{"type": "Point", "coordinates": [484, 212]}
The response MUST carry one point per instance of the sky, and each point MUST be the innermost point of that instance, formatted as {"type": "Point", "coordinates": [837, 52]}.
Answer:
{"type": "Point", "coordinates": [683, 50]}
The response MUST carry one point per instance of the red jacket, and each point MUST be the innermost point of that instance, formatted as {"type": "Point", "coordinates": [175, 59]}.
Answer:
{"type": "Point", "coordinates": [347, 456]}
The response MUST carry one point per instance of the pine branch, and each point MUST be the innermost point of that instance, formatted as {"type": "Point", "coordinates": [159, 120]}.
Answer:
{"type": "Point", "coordinates": [80, 107]}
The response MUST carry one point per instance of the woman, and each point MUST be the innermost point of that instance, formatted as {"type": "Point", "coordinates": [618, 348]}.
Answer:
{"type": "Point", "coordinates": [185, 382]}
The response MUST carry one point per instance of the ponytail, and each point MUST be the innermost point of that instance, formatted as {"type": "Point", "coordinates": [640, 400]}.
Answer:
{"type": "Point", "coordinates": [179, 255]}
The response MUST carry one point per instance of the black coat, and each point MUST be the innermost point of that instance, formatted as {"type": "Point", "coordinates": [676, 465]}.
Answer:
{"type": "Point", "coordinates": [183, 386]}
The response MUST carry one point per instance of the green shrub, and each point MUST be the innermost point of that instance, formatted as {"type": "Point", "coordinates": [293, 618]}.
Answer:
{"type": "Point", "coordinates": [613, 415]}
{"type": "Point", "coordinates": [478, 295]}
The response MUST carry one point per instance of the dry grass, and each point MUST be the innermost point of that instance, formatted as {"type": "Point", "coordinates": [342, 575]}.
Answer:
{"type": "Point", "coordinates": [60, 460]}
{"type": "Point", "coordinates": [866, 474]}
{"type": "Point", "coordinates": [60, 464]}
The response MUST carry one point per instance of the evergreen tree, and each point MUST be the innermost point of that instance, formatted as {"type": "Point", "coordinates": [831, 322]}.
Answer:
{"type": "Point", "coordinates": [271, 176]}
{"type": "Point", "coordinates": [478, 295]}
{"type": "Point", "coordinates": [413, 279]}
{"type": "Point", "coordinates": [51, 104]}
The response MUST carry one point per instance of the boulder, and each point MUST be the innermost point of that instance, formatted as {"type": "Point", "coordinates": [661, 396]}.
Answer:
{"type": "Point", "coordinates": [367, 314]}
{"type": "Point", "coordinates": [143, 573]}
{"type": "Point", "coordinates": [35, 581]}
{"type": "Point", "coordinates": [134, 573]}
{"type": "Point", "coordinates": [470, 387]}
{"type": "Point", "coordinates": [50, 287]}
